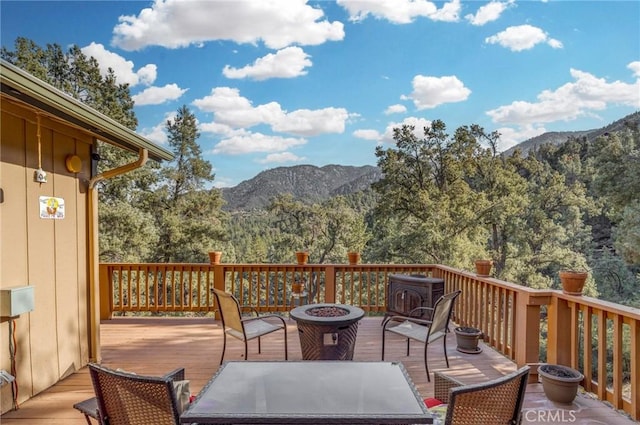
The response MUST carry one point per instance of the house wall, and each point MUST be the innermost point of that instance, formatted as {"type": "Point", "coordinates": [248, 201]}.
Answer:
{"type": "Point", "coordinates": [51, 254]}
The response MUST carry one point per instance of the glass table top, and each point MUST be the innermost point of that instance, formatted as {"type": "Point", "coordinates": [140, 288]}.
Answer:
{"type": "Point", "coordinates": [309, 390]}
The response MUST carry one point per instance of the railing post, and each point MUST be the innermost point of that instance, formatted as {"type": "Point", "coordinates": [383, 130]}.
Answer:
{"type": "Point", "coordinates": [559, 332]}
{"type": "Point", "coordinates": [218, 283]}
{"type": "Point", "coordinates": [634, 331]}
{"type": "Point", "coordinates": [526, 337]}
{"type": "Point", "coordinates": [330, 284]}
{"type": "Point", "coordinates": [106, 294]}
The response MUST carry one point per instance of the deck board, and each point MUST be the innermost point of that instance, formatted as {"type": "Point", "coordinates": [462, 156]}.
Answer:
{"type": "Point", "coordinates": [157, 345]}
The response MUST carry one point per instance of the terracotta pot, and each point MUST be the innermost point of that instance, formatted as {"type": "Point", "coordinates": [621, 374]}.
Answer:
{"type": "Point", "coordinates": [467, 339]}
{"type": "Point", "coordinates": [302, 257]}
{"type": "Point", "coordinates": [297, 287]}
{"type": "Point", "coordinates": [483, 267]}
{"type": "Point", "coordinates": [560, 383]}
{"type": "Point", "coordinates": [354, 257]}
{"type": "Point", "coordinates": [573, 282]}
{"type": "Point", "coordinates": [215, 257]}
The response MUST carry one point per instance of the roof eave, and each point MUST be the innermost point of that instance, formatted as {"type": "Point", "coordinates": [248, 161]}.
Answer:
{"type": "Point", "coordinates": [18, 84]}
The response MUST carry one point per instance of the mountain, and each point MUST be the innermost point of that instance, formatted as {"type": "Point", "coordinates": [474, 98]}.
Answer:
{"type": "Point", "coordinates": [305, 182]}
{"type": "Point", "coordinates": [309, 183]}
{"type": "Point", "coordinates": [559, 137]}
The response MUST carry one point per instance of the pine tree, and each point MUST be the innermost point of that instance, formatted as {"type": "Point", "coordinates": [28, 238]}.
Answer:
{"type": "Point", "coordinates": [187, 214]}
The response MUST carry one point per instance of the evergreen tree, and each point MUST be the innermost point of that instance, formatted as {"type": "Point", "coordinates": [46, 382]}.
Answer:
{"type": "Point", "coordinates": [126, 231]}
{"type": "Point", "coordinates": [327, 230]}
{"type": "Point", "coordinates": [501, 195]}
{"type": "Point", "coordinates": [425, 201]}
{"type": "Point", "coordinates": [615, 160]}
{"type": "Point", "coordinates": [187, 214]}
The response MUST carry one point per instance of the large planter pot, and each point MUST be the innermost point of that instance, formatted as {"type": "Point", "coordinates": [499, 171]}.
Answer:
{"type": "Point", "coordinates": [302, 257]}
{"type": "Point", "coordinates": [573, 281]}
{"type": "Point", "coordinates": [467, 339]}
{"type": "Point", "coordinates": [483, 267]}
{"type": "Point", "coordinates": [354, 257]}
{"type": "Point", "coordinates": [560, 383]}
{"type": "Point", "coordinates": [215, 257]}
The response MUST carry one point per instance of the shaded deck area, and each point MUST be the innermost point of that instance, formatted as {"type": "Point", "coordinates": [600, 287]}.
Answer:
{"type": "Point", "coordinates": [157, 345]}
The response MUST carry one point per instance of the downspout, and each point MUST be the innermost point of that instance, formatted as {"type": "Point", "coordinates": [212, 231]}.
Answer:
{"type": "Point", "coordinates": [94, 260]}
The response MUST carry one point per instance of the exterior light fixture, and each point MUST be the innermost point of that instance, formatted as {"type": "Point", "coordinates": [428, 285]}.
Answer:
{"type": "Point", "coordinates": [73, 163]}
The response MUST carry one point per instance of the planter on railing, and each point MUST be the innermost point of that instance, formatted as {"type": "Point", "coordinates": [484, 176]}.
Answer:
{"type": "Point", "coordinates": [483, 267]}
{"type": "Point", "coordinates": [302, 257]}
{"type": "Point", "coordinates": [573, 281]}
{"type": "Point", "coordinates": [215, 257]}
{"type": "Point", "coordinates": [354, 257]}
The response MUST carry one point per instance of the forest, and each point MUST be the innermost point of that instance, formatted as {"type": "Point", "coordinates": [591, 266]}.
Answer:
{"type": "Point", "coordinates": [445, 197]}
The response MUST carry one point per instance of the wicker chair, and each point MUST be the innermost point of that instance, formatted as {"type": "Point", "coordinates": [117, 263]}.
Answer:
{"type": "Point", "coordinates": [495, 402]}
{"type": "Point", "coordinates": [245, 328]}
{"type": "Point", "coordinates": [425, 331]}
{"type": "Point", "coordinates": [127, 399]}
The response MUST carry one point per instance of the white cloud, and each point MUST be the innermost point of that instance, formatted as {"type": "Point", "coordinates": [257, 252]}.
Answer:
{"type": "Point", "coordinates": [587, 93]}
{"type": "Point", "coordinates": [157, 133]}
{"type": "Point", "coordinates": [280, 158]}
{"type": "Point", "coordinates": [147, 74]}
{"type": "Point", "coordinates": [489, 12]}
{"type": "Point", "coordinates": [231, 109]}
{"type": "Point", "coordinates": [223, 98]}
{"type": "Point", "coordinates": [180, 23]}
{"type": "Point", "coordinates": [401, 11]}
{"type": "Point", "coordinates": [255, 142]}
{"type": "Point", "coordinates": [305, 122]}
{"type": "Point", "coordinates": [449, 12]}
{"type": "Point", "coordinates": [635, 67]}
{"type": "Point", "coordinates": [289, 62]}
{"type": "Point", "coordinates": [221, 182]}
{"type": "Point", "coordinates": [429, 92]}
{"type": "Point", "coordinates": [522, 37]}
{"type": "Point", "coordinates": [370, 134]}
{"type": "Point", "coordinates": [395, 109]}
{"type": "Point", "coordinates": [367, 134]}
{"type": "Point", "coordinates": [556, 44]}
{"type": "Point", "coordinates": [234, 110]}
{"type": "Point", "coordinates": [216, 128]}
{"type": "Point", "coordinates": [122, 68]}
{"type": "Point", "coordinates": [418, 123]}
{"type": "Point", "coordinates": [158, 95]}
{"type": "Point", "coordinates": [510, 137]}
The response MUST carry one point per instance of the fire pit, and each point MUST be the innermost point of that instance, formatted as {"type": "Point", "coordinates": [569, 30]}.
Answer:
{"type": "Point", "coordinates": [327, 331]}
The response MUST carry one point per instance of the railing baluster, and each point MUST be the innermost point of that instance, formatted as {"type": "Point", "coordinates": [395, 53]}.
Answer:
{"type": "Point", "coordinates": [602, 354]}
{"type": "Point", "coordinates": [617, 361]}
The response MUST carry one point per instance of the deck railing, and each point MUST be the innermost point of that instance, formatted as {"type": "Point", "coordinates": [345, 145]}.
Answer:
{"type": "Point", "coordinates": [599, 338]}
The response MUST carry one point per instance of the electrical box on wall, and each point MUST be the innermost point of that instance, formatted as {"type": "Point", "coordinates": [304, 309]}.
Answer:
{"type": "Point", "coordinates": [16, 300]}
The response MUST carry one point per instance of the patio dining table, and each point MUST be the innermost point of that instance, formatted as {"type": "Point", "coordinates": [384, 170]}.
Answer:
{"type": "Point", "coordinates": [309, 392]}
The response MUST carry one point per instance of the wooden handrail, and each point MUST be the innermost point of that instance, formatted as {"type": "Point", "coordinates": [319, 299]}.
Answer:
{"type": "Point", "coordinates": [512, 317]}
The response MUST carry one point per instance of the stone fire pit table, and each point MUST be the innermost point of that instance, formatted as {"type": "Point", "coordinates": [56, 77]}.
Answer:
{"type": "Point", "coordinates": [327, 331]}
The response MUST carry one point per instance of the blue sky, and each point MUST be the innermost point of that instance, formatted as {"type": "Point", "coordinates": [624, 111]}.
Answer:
{"type": "Point", "coordinates": [284, 82]}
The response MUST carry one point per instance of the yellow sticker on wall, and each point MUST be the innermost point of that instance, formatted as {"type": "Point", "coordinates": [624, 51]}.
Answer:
{"type": "Point", "coordinates": [51, 207]}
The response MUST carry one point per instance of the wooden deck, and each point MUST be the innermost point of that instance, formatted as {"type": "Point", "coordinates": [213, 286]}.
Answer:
{"type": "Point", "coordinates": [157, 345]}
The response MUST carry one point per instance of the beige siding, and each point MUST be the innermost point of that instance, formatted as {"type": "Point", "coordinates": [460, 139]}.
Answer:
{"type": "Point", "coordinates": [49, 254]}
{"type": "Point", "coordinates": [13, 243]}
